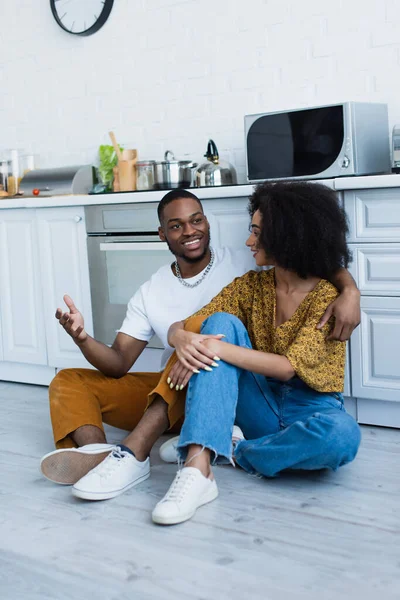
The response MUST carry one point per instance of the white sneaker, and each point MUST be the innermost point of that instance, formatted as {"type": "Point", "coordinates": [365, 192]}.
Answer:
{"type": "Point", "coordinates": [68, 465]}
{"type": "Point", "coordinates": [115, 475]}
{"type": "Point", "coordinates": [189, 490]}
{"type": "Point", "coordinates": [237, 434]}
{"type": "Point", "coordinates": [168, 450]}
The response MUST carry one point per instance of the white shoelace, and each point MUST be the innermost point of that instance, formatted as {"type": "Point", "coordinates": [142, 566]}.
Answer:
{"type": "Point", "coordinates": [179, 487]}
{"type": "Point", "coordinates": [112, 462]}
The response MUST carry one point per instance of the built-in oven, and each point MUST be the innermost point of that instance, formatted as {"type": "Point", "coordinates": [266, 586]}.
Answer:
{"type": "Point", "coordinates": [124, 251]}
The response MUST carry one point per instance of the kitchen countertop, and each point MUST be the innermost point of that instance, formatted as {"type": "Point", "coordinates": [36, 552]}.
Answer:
{"type": "Point", "coordinates": [229, 191]}
{"type": "Point", "coordinates": [367, 181]}
{"type": "Point", "coordinates": [232, 191]}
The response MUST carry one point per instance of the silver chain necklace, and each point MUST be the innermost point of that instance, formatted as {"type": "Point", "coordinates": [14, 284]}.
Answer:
{"type": "Point", "coordinates": [196, 283]}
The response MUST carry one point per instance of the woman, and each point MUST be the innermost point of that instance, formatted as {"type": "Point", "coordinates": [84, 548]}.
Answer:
{"type": "Point", "coordinates": [279, 378]}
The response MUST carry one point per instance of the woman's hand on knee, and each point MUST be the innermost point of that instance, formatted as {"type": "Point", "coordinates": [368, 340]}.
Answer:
{"type": "Point", "coordinates": [179, 376]}
{"type": "Point", "coordinates": [193, 352]}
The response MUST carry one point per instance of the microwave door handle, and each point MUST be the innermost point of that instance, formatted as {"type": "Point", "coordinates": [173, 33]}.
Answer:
{"type": "Point", "coordinates": [135, 246]}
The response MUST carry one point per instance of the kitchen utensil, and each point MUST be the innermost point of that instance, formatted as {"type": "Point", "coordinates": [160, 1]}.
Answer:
{"type": "Point", "coordinates": [116, 147]}
{"type": "Point", "coordinates": [116, 186]}
{"type": "Point", "coordinates": [126, 166]}
{"type": "Point", "coordinates": [127, 170]}
{"type": "Point", "coordinates": [145, 174]}
{"type": "Point", "coordinates": [215, 171]}
{"type": "Point", "coordinates": [171, 173]}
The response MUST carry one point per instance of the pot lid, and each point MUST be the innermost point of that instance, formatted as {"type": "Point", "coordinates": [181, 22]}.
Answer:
{"type": "Point", "coordinates": [172, 160]}
{"type": "Point", "coordinates": [169, 158]}
{"type": "Point", "coordinates": [145, 163]}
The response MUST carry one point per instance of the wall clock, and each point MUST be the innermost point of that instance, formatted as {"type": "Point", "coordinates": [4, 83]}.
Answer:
{"type": "Point", "coordinates": [81, 17]}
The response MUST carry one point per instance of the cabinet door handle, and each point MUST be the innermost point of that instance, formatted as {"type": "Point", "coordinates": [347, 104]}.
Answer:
{"type": "Point", "coordinates": [77, 219]}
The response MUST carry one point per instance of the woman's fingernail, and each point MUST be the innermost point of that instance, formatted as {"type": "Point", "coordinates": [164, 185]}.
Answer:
{"type": "Point", "coordinates": [169, 380]}
{"type": "Point", "coordinates": [196, 371]}
{"type": "Point", "coordinates": [214, 364]}
{"type": "Point", "coordinates": [181, 387]}
{"type": "Point", "coordinates": [177, 388]}
{"type": "Point", "coordinates": [207, 368]}
{"type": "Point", "coordinates": [216, 358]}
{"type": "Point", "coordinates": [171, 385]}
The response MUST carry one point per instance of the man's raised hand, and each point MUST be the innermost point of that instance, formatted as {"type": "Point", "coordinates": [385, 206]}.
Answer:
{"type": "Point", "coordinates": [72, 321]}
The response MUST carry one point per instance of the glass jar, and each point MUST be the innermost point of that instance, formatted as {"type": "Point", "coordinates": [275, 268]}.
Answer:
{"type": "Point", "coordinates": [145, 174]}
{"type": "Point", "coordinates": [28, 163]}
{"type": "Point", "coordinates": [4, 170]}
{"type": "Point", "coordinates": [14, 175]}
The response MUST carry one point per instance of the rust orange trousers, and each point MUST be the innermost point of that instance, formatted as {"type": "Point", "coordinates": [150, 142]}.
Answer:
{"type": "Point", "coordinates": [87, 397]}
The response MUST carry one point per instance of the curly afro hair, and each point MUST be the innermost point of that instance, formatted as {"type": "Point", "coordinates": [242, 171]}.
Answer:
{"type": "Point", "coordinates": [304, 228]}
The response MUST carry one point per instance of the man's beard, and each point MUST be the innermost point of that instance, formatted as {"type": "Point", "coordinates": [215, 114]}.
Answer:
{"type": "Point", "coordinates": [188, 259]}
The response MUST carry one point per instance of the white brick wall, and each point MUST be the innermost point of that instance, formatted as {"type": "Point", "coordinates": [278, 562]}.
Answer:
{"type": "Point", "coordinates": [172, 73]}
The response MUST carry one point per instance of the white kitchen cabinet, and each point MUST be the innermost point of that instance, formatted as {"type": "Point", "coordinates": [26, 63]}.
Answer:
{"type": "Point", "coordinates": [374, 218]}
{"type": "Point", "coordinates": [229, 222]}
{"type": "Point", "coordinates": [375, 351]}
{"type": "Point", "coordinates": [22, 316]}
{"type": "Point", "coordinates": [376, 268]}
{"type": "Point", "coordinates": [374, 215]}
{"type": "Point", "coordinates": [64, 270]}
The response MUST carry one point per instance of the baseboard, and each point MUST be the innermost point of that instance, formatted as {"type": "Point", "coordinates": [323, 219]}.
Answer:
{"type": "Point", "coordinates": [378, 412]}
{"type": "Point", "coordinates": [25, 373]}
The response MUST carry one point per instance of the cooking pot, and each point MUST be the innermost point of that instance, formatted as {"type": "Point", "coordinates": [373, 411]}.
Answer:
{"type": "Point", "coordinates": [172, 174]}
{"type": "Point", "coordinates": [215, 171]}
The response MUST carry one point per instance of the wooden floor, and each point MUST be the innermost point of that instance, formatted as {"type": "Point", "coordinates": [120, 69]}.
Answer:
{"type": "Point", "coordinates": [314, 536]}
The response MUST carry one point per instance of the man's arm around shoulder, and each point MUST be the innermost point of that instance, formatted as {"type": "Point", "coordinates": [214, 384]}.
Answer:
{"type": "Point", "coordinates": [345, 309]}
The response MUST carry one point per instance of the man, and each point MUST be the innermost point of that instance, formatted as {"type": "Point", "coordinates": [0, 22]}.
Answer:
{"type": "Point", "coordinates": [82, 399]}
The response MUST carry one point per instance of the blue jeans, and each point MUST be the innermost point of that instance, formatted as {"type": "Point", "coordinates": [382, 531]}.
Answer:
{"type": "Point", "coordinates": [287, 425]}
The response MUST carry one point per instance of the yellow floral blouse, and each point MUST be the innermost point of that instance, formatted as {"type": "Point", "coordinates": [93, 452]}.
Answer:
{"type": "Point", "coordinates": [251, 298]}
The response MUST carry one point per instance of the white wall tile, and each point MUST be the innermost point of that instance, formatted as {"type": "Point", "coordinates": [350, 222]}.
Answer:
{"type": "Point", "coordinates": [168, 74]}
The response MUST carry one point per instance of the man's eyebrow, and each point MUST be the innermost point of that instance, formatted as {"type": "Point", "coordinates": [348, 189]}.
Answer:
{"type": "Point", "coordinates": [193, 215]}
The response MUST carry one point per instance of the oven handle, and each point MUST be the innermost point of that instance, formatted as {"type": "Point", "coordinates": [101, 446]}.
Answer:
{"type": "Point", "coordinates": [139, 246]}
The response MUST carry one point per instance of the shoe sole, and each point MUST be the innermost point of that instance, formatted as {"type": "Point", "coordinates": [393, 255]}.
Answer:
{"type": "Point", "coordinates": [69, 466]}
{"type": "Point", "coordinates": [182, 518]}
{"type": "Point", "coordinates": [83, 495]}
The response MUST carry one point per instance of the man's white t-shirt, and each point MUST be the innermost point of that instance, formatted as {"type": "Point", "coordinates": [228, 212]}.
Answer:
{"type": "Point", "coordinates": [163, 300]}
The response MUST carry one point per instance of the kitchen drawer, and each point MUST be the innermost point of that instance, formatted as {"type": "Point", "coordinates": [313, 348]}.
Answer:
{"type": "Point", "coordinates": [374, 355]}
{"type": "Point", "coordinates": [374, 215]}
{"type": "Point", "coordinates": [376, 268]}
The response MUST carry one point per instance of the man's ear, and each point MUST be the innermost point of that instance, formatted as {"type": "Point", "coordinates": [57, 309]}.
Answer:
{"type": "Point", "coordinates": [161, 234]}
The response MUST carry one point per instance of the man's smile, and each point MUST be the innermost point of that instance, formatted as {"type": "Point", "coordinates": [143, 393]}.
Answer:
{"type": "Point", "coordinates": [194, 243]}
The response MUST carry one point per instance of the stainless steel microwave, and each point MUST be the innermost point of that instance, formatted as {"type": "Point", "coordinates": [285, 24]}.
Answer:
{"type": "Point", "coordinates": [337, 140]}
